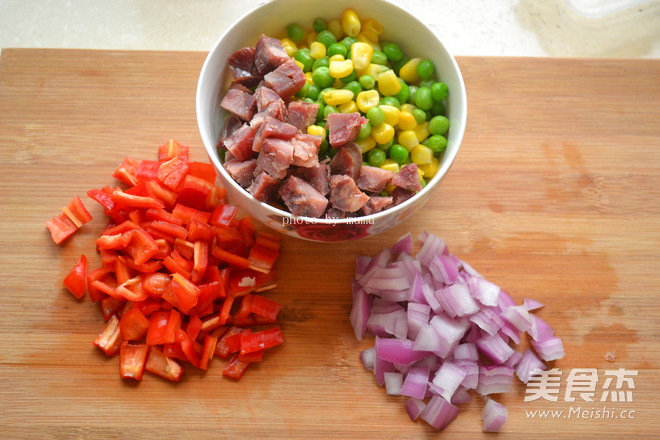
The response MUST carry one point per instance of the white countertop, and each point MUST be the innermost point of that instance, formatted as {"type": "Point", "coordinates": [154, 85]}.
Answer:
{"type": "Point", "coordinates": [557, 28]}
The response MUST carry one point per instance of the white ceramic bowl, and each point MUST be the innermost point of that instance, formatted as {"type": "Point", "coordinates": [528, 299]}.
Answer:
{"type": "Point", "coordinates": [271, 18]}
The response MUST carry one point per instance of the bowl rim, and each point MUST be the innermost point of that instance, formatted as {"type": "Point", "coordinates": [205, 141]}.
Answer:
{"type": "Point", "coordinates": [211, 145]}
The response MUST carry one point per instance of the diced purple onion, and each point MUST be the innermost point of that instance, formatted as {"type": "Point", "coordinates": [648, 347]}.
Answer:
{"type": "Point", "coordinates": [393, 383]}
{"type": "Point", "coordinates": [495, 348]}
{"type": "Point", "coordinates": [466, 352]}
{"type": "Point", "coordinates": [529, 363]}
{"type": "Point", "coordinates": [550, 349]}
{"type": "Point", "coordinates": [456, 301]}
{"type": "Point", "coordinates": [461, 396]}
{"type": "Point", "coordinates": [415, 407]}
{"type": "Point", "coordinates": [494, 379]}
{"type": "Point", "coordinates": [439, 413]}
{"type": "Point", "coordinates": [403, 245]}
{"type": "Point", "coordinates": [415, 382]}
{"type": "Point", "coordinates": [448, 378]}
{"type": "Point", "coordinates": [532, 304]}
{"type": "Point", "coordinates": [368, 358]}
{"type": "Point", "coordinates": [494, 415]}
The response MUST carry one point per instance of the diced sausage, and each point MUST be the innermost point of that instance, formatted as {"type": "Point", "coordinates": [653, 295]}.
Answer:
{"type": "Point", "coordinates": [373, 179]}
{"type": "Point", "coordinates": [272, 128]}
{"type": "Point", "coordinates": [239, 103]}
{"type": "Point", "coordinates": [302, 114]}
{"type": "Point", "coordinates": [306, 150]}
{"type": "Point", "coordinates": [269, 54]}
{"type": "Point", "coordinates": [407, 178]}
{"type": "Point", "coordinates": [344, 127]}
{"type": "Point", "coordinates": [376, 204]}
{"type": "Point", "coordinates": [348, 161]}
{"type": "Point", "coordinates": [275, 157]}
{"type": "Point", "coordinates": [345, 195]}
{"type": "Point", "coordinates": [241, 171]}
{"type": "Point", "coordinates": [316, 176]}
{"type": "Point", "coordinates": [239, 144]}
{"type": "Point", "coordinates": [264, 187]}
{"type": "Point", "coordinates": [232, 123]}
{"type": "Point", "coordinates": [286, 80]}
{"type": "Point", "coordinates": [302, 199]}
{"type": "Point", "coordinates": [242, 67]}
{"type": "Point", "coordinates": [400, 195]}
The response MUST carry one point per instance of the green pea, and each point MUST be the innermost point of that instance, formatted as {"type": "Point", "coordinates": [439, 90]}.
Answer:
{"type": "Point", "coordinates": [413, 91]}
{"type": "Point", "coordinates": [329, 109]}
{"type": "Point", "coordinates": [399, 64]}
{"type": "Point", "coordinates": [439, 91]}
{"type": "Point", "coordinates": [319, 112]}
{"type": "Point", "coordinates": [422, 182]}
{"type": "Point", "coordinates": [425, 69]}
{"type": "Point", "coordinates": [438, 108]}
{"type": "Point", "coordinates": [426, 83]}
{"type": "Point", "coordinates": [222, 153]}
{"type": "Point", "coordinates": [326, 37]}
{"type": "Point", "coordinates": [321, 62]}
{"type": "Point", "coordinates": [313, 92]}
{"type": "Point", "coordinates": [322, 78]}
{"type": "Point", "coordinates": [376, 157]}
{"type": "Point", "coordinates": [331, 152]}
{"type": "Point", "coordinates": [379, 57]}
{"type": "Point", "coordinates": [295, 32]}
{"type": "Point", "coordinates": [376, 116]}
{"type": "Point", "coordinates": [437, 143]}
{"type": "Point", "coordinates": [349, 78]}
{"type": "Point", "coordinates": [323, 148]}
{"type": "Point", "coordinates": [398, 153]}
{"type": "Point", "coordinates": [419, 115]}
{"type": "Point", "coordinates": [423, 98]}
{"type": "Point", "coordinates": [438, 125]}
{"type": "Point", "coordinates": [348, 42]}
{"type": "Point", "coordinates": [354, 87]}
{"type": "Point", "coordinates": [407, 161]}
{"type": "Point", "coordinates": [404, 94]}
{"type": "Point", "coordinates": [305, 58]}
{"type": "Point", "coordinates": [321, 123]}
{"type": "Point", "coordinates": [319, 25]}
{"type": "Point", "coordinates": [337, 49]}
{"type": "Point", "coordinates": [391, 100]}
{"type": "Point", "coordinates": [387, 145]}
{"type": "Point", "coordinates": [384, 193]}
{"type": "Point", "coordinates": [392, 51]}
{"type": "Point", "coordinates": [367, 82]}
{"type": "Point", "coordinates": [365, 131]}
{"type": "Point", "coordinates": [304, 92]}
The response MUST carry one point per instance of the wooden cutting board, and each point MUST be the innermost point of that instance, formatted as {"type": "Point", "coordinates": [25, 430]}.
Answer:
{"type": "Point", "coordinates": [554, 196]}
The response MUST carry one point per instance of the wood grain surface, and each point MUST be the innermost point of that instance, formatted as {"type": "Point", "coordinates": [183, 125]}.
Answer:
{"type": "Point", "coordinates": [554, 196]}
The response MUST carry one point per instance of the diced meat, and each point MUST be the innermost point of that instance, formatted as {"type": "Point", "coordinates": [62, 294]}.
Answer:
{"type": "Point", "coordinates": [272, 128]}
{"type": "Point", "coordinates": [373, 179]}
{"type": "Point", "coordinates": [376, 204]}
{"type": "Point", "coordinates": [400, 195]}
{"type": "Point", "coordinates": [242, 67]}
{"type": "Point", "coordinates": [345, 195]}
{"type": "Point", "coordinates": [241, 171]}
{"type": "Point", "coordinates": [344, 127]}
{"type": "Point", "coordinates": [306, 150]}
{"type": "Point", "coordinates": [334, 213]}
{"type": "Point", "coordinates": [239, 144]}
{"type": "Point", "coordinates": [232, 123]}
{"type": "Point", "coordinates": [347, 160]}
{"type": "Point", "coordinates": [264, 187]}
{"type": "Point", "coordinates": [316, 176]}
{"type": "Point", "coordinates": [269, 54]}
{"type": "Point", "coordinates": [239, 103]}
{"type": "Point", "coordinates": [238, 86]}
{"type": "Point", "coordinates": [302, 114]}
{"type": "Point", "coordinates": [275, 157]}
{"type": "Point", "coordinates": [286, 80]}
{"type": "Point", "coordinates": [302, 199]}
{"type": "Point", "coordinates": [266, 97]}
{"type": "Point", "coordinates": [407, 178]}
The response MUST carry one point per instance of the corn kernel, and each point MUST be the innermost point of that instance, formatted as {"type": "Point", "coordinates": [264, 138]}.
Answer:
{"type": "Point", "coordinates": [391, 165]}
{"type": "Point", "coordinates": [370, 39]}
{"type": "Point", "coordinates": [337, 57]}
{"type": "Point", "coordinates": [367, 99]}
{"type": "Point", "coordinates": [365, 144]}
{"type": "Point", "coordinates": [301, 65]}
{"type": "Point", "coordinates": [338, 84]}
{"type": "Point", "coordinates": [337, 96]}
{"type": "Point", "coordinates": [289, 46]}
{"type": "Point", "coordinates": [373, 27]}
{"type": "Point", "coordinates": [430, 169]}
{"type": "Point", "coordinates": [391, 114]}
{"type": "Point", "coordinates": [408, 139]}
{"type": "Point", "coordinates": [421, 155]}
{"type": "Point", "coordinates": [422, 131]}
{"type": "Point", "coordinates": [373, 70]}
{"type": "Point", "coordinates": [361, 54]}
{"type": "Point", "coordinates": [340, 69]}
{"type": "Point", "coordinates": [350, 23]}
{"type": "Point", "coordinates": [311, 38]}
{"type": "Point", "coordinates": [348, 107]}
{"type": "Point", "coordinates": [420, 173]}
{"type": "Point", "coordinates": [390, 188]}
{"type": "Point", "coordinates": [316, 130]}
{"type": "Point", "coordinates": [308, 77]}
{"type": "Point", "coordinates": [388, 83]}
{"type": "Point", "coordinates": [317, 50]}
{"type": "Point", "coordinates": [382, 133]}
{"type": "Point", "coordinates": [407, 107]}
{"type": "Point", "coordinates": [408, 71]}
{"type": "Point", "coordinates": [406, 121]}
{"type": "Point", "coordinates": [334, 26]}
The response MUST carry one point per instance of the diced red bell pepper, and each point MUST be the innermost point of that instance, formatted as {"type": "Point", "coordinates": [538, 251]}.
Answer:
{"type": "Point", "coordinates": [226, 309]}
{"type": "Point", "coordinates": [141, 246]}
{"type": "Point", "coordinates": [231, 259]}
{"type": "Point", "coordinates": [200, 261]}
{"type": "Point", "coordinates": [186, 292]}
{"type": "Point", "coordinates": [217, 197]}
{"type": "Point", "coordinates": [61, 227]}
{"type": "Point", "coordinates": [148, 306]}
{"type": "Point", "coordinates": [148, 267]}
{"type": "Point", "coordinates": [133, 325]}
{"type": "Point", "coordinates": [185, 249]}
{"type": "Point", "coordinates": [131, 290]}
{"type": "Point", "coordinates": [164, 249]}
{"type": "Point", "coordinates": [132, 360]}
{"type": "Point", "coordinates": [252, 357]}
{"type": "Point", "coordinates": [194, 192]}
{"type": "Point", "coordinates": [265, 307]}
{"type": "Point", "coordinates": [104, 198]}
{"type": "Point", "coordinates": [172, 172]}
{"type": "Point", "coordinates": [162, 215]}
{"type": "Point", "coordinates": [125, 226]}
{"type": "Point", "coordinates": [212, 324]}
{"type": "Point", "coordinates": [172, 149]}
{"type": "Point", "coordinates": [158, 191]}
{"type": "Point", "coordinates": [129, 200]}
{"type": "Point", "coordinates": [223, 215]}
{"type": "Point", "coordinates": [260, 340]}
{"type": "Point", "coordinates": [200, 231]}
{"type": "Point", "coordinates": [122, 271]}
{"type": "Point", "coordinates": [139, 190]}
{"type": "Point", "coordinates": [108, 257]}
{"type": "Point", "coordinates": [111, 306]}
{"type": "Point", "coordinates": [76, 211]}
{"type": "Point", "coordinates": [194, 326]}
{"type": "Point", "coordinates": [173, 350]}
{"type": "Point", "coordinates": [234, 341]}
{"type": "Point", "coordinates": [229, 238]}
{"type": "Point", "coordinates": [155, 284]}
{"type": "Point", "coordinates": [161, 365]}
{"type": "Point", "coordinates": [147, 170]}
{"type": "Point", "coordinates": [192, 349]}
{"type": "Point", "coordinates": [262, 259]}
{"type": "Point", "coordinates": [235, 368]}
{"type": "Point", "coordinates": [246, 228]}
{"type": "Point", "coordinates": [109, 339]}
{"type": "Point", "coordinates": [202, 170]}
{"type": "Point", "coordinates": [175, 266]}
{"type": "Point", "coordinates": [245, 281]}
{"type": "Point", "coordinates": [187, 214]}
{"type": "Point", "coordinates": [169, 229]}
{"type": "Point", "coordinates": [126, 172]}
{"type": "Point", "coordinates": [222, 349]}
{"type": "Point", "coordinates": [116, 241]}
{"type": "Point", "coordinates": [244, 310]}
{"type": "Point", "coordinates": [208, 351]}
{"type": "Point", "coordinates": [163, 327]}
{"type": "Point", "coordinates": [76, 280]}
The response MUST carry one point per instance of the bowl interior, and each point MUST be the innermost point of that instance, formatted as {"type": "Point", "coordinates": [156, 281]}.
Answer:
{"type": "Point", "coordinates": [410, 33]}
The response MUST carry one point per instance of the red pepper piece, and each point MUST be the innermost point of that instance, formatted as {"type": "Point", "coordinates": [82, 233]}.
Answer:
{"type": "Point", "coordinates": [122, 271]}
{"type": "Point", "coordinates": [187, 214]}
{"type": "Point", "coordinates": [185, 249]}
{"type": "Point", "coordinates": [194, 327]}
{"type": "Point", "coordinates": [223, 215]}
{"type": "Point", "coordinates": [111, 306]}
{"type": "Point", "coordinates": [246, 228]}
{"type": "Point", "coordinates": [200, 260]}
{"type": "Point", "coordinates": [217, 197]}
{"type": "Point", "coordinates": [234, 341]}
{"type": "Point", "coordinates": [76, 280]}
{"type": "Point", "coordinates": [148, 267]}
{"type": "Point", "coordinates": [190, 348]}
{"type": "Point", "coordinates": [172, 172]}
{"type": "Point", "coordinates": [261, 340]}
{"type": "Point", "coordinates": [173, 350]}
{"type": "Point", "coordinates": [104, 198]}
{"type": "Point", "coordinates": [109, 339]}
{"type": "Point", "coordinates": [148, 306]}
{"type": "Point", "coordinates": [155, 284]}
{"type": "Point", "coordinates": [158, 191]}
{"type": "Point", "coordinates": [129, 200]}
{"type": "Point", "coordinates": [172, 149]}
{"type": "Point", "coordinates": [76, 211]}
{"type": "Point", "coordinates": [203, 170]}
{"type": "Point", "coordinates": [162, 215]}
{"type": "Point", "coordinates": [200, 231]}
{"type": "Point", "coordinates": [131, 290]}
{"type": "Point", "coordinates": [265, 307]}
{"type": "Point", "coordinates": [61, 227]}
{"type": "Point", "coordinates": [252, 357]}
{"type": "Point", "coordinates": [147, 170]}
{"type": "Point", "coordinates": [141, 246]}
{"type": "Point", "coordinates": [229, 238]}
{"type": "Point", "coordinates": [228, 257]}
{"type": "Point", "coordinates": [208, 350]}
{"type": "Point", "coordinates": [132, 360]}
{"type": "Point", "coordinates": [186, 292]}
{"type": "Point", "coordinates": [133, 325]}
{"type": "Point", "coordinates": [235, 368]}
{"type": "Point", "coordinates": [163, 366]}
{"type": "Point", "coordinates": [262, 258]}
{"type": "Point", "coordinates": [127, 172]}
{"type": "Point", "coordinates": [194, 192]}
{"type": "Point", "coordinates": [122, 227]}
{"type": "Point", "coordinates": [116, 241]}
{"type": "Point", "coordinates": [222, 349]}
{"type": "Point", "coordinates": [163, 327]}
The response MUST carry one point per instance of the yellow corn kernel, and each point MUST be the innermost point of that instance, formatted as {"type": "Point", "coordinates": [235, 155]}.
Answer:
{"type": "Point", "coordinates": [308, 77]}
{"type": "Point", "coordinates": [373, 70]}
{"type": "Point", "coordinates": [407, 107]}
{"type": "Point", "coordinates": [361, 54]}
{"type": "Point", "coordinates": [422, 131]}
{"type": "Point", "coordinates": [301, 65]}
{"type": "Point", "coordinates": [289, 46]}
{"type": "Point", "coordinates": [317, 50]}
{"type": "Point", "coordinates": [406, 121]}
{"type": "Point", "coordinates": [338, 84]}
{"type": "Point", "coordinates": [388, 83]}
{"type": "Point", "coordinates": [348, 107]}
{"type": "Point", "coordinates": [370, 39]}
{"type": "Point", "coordinates": [337, 97]}
{"type": "Point", "coordinates": [408, 139]}
{"type": "Point", "coordinates": [430, 169]}
{"type": "Point", "coordinates": [365, 144]}
{"type": "Point", "coordinates": [334, 26]}
{"type": "Point", "coordinates": [420, 173]}
{"type": "Point", "coordinates": [408, 71]}
{"type": "Point", "coordinates": [350, 23]}
{"type": "Point", "coordinates": [340, 69]}
{"type": "Point", "coordinates": [391, 114]}
{"type": "Point", "coordinates": [367, 99]}
{"type": "Point", "coordinates": [390, 188]}
{"type": "Point", "coordinates": [382, 133]}
{"type": "Point", "coordinates": [316, 130]}
{"type": "Point", "coordinates": [391, 165]}
{"type": "Point", "coordinates": [372, 27]}
{"type": "Point", "coordinates": [311, 38]}
{"type": "Point", "coordinates": [421, 155]}
{"type": "Point", "coordinates": [337, 57]}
